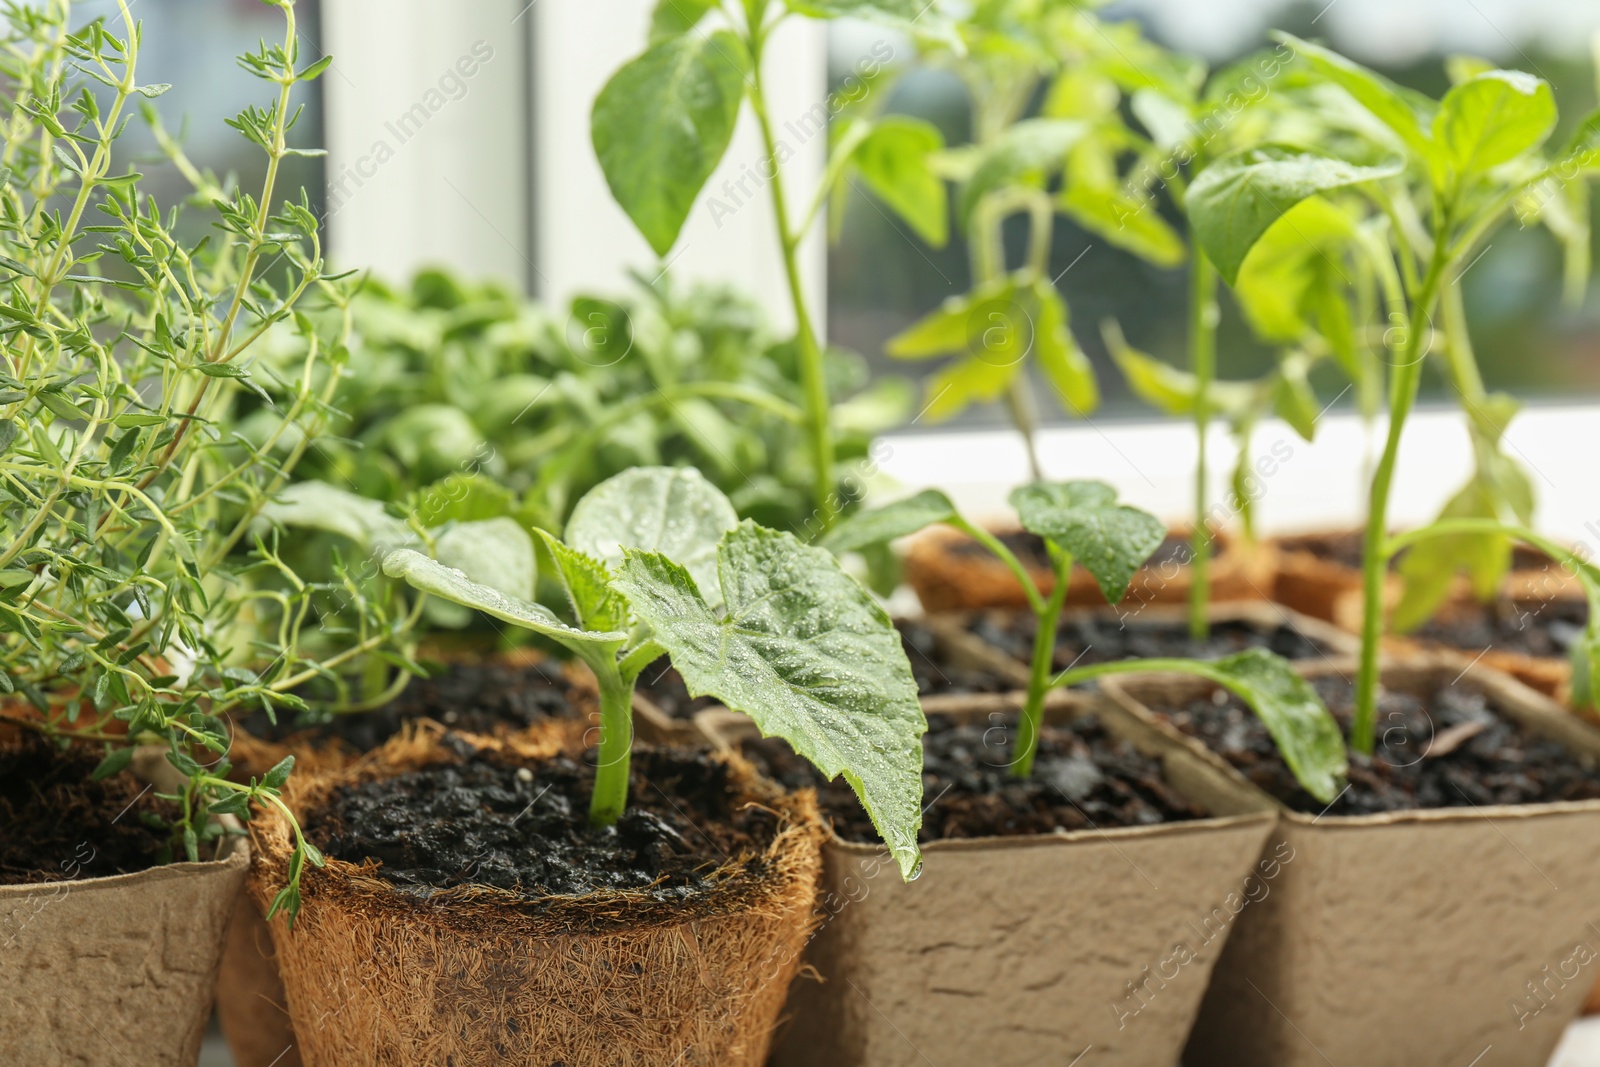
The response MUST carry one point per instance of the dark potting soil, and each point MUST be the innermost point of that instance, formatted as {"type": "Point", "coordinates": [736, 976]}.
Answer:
{"type": "Point", "coordinates": [526, 829]}
{"type": "Point", "coordinates": [1441, 748]}
{"type": "Point", "coordinates": [57, 824]}
{"type": "Point", "coordinates": [1083, 778]}
{"type": "Point", "coordinates": [1029, 548]}
{"type": "Point", "coordinates": [935, 676]}
{"type": "Point", "coordinates": [1082, 639]}
{"type": "Point", "coordinates": [1542, 628]}
{"type": "Point", "coordinates": [477, 697]}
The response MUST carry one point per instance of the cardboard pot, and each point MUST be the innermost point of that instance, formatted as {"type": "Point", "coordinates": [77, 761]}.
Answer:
{"type": "Point", "coordinates": [1433, 938]}
{"type": "Point", "coordinates": [478, 975]}
{"type": "Point", "coordinates": [957, 637]}
{"type": "Point", "coordinates": [103, 972]}
{"type": "Point", "coordinates": [950, 572]}
{"type": "Point", "coordinates": [1550, 675]}
{"type": "Point", "coordinates": [1025, 950]}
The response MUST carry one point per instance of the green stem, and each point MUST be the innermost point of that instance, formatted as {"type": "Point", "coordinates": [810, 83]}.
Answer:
{"type": "Point", "coordinates": [1199, 668]}
{"type": "Point", "coordinates": [1044, 647]}
{"type": "Point", "coordinates": [813, 378]}
{"type": "Point", "coordinates": [616, 746]}
{"type": "Point", "coordinates": [1202, 360]}
{"type": "Point", "coordinates": [1451, 527]}
{"type": "Point", "coordinates": [988, 540]}
{"type": "Point", "coordinates": [1402, 396]}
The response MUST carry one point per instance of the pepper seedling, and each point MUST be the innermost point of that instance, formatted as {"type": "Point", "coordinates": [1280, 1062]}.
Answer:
{"type": "Point", "coordinates": [655, 561]}
{"type": "Point", "coordinates": [1475, 154]}
{"type": "Point", "coordinates": [1082, 521]}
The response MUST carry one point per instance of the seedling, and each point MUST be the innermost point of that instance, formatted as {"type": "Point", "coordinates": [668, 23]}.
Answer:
{"type": "Point", "coordinates": [1476, 154]}
{"type": "Point", "coordinates": [663, 122]}
{"type": "Point", "coordinates": [656, 562]}
{"type": "Point", "coordinates": [1082, 521]}
{"type": "Point", "coordinates": [132, 609]}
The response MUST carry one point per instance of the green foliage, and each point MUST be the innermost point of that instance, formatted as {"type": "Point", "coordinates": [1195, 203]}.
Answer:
{"type": "Point", "coordinates": [661, 125]}
{"type": "Point", "coordinates": [128, 488]}
{"type": "Point", "coordinates": [808, 655]}
{"type": "Point", "coordinates": [778, 631]}
{"type": "Point", "coordinates": [1109, 540]}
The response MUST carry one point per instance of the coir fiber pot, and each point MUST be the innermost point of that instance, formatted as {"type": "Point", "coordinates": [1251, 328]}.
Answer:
{"type": "Point", "coordinates": [1024, 950]}
{"type": "Point", "coordinates": [104, 972]}
{"type": "Point", "coordinates": [477, 975]}
{"type": "Point", "coordinates": [251, 1005]}
{"type": "Point", "coordinates": [951, 572]}
{"type": "Point", "coordinates": [1428, 938]}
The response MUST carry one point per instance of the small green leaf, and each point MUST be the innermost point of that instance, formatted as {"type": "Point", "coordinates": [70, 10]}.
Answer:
{"type": "Point", "coordinates": [220, 370]}
{"type": "Point", "coordinates": [1306, 734]}
{"type": "Point", "coordinates": [1059, 356]}
{"type": "Point", "coordinates": [964, 382]}
{"type": "Point", "coordinates": [952, 326]}
{"type": "Point", "coordinates": [661, 125]}
{"type": "Point", "coordinates": [1028, 152]}
{"type": "Point", "coordinates": [1233, 201]}
{"type": "Point", "coordinates": [432, 577]}
{"type": "Point", "coordinates": [1407, 113]}
{"type": "Point", "coordinates": [674, 18]}
{"type": "Point", "coordinates": [920, 17]}
{"type": "Point", "coordinates": [320, 506]}
{"type": "Point", "coordinates": [115, 762]}
{"type": "Point", "coordinates": [808, 655]}
{"type": "Point", "coordinates": [894, 162]}
{"type": "Point", "coordinates": [1109, 540]}
{"type": "Point", "coordinates": [1292, 397]}
{"type": "Point", "coordinates": [1585, 653]}
{"type": "Point", "coordinates": [493, 552]}
{"type": "Point", "coordinates": [587, 583]}
{"type": "Point", "coordinates": [133, 420]}
{"type": "Point", "coordinates": [671, 510]}
{"type": "Point", "coordinates": [1489, 120]}
{"type": "Point", "coordinates": [1168, 389]}
{"type": "Point", "coordinates": [278, 776]}
{"type": "Point", "coordinates": [1125, 221]}
{"type": "Point", "coordinates": [311, 72]}
{"type": "Point", "coordinates": [60, 406]}
{"type": "Point", "coordinates": [900, 519]}
{"type": "Point", "coordinates": [150, 92]}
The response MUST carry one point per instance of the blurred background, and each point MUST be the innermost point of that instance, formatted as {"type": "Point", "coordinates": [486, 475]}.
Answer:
{"type": "Point", "coordinates": [493, 176]}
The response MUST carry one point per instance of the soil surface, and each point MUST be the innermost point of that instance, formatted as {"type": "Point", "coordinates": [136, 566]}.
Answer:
{"type": "Point", "coordinates": [484, 697]}
{"type": "Point", "coordinates": [487, 822]}
{"type": "Point", "coordinates": [1542, 628]}
{"type": "Point", "coordinates": [664, 685]}
{"type": "Point", "coordinates": [56, 824]}
{"type": "Point", "coordinates": [1444, 748]}
{"type": "Point", "coordinates": [1345, 549]}
{"type": "Point", "coordinates": [1084, 639]}
{"type": "Point", "coordinates": [1030, 549]}
{"type": "Point", "coordinates": [1083, 778]}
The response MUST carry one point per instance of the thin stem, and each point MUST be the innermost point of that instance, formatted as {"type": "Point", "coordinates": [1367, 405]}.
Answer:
{"type": "Point", "coordinates": [813, 378]}
{"type": "Point", "coordinates": [616, 746]}
{"type": "Point", "coordinates": [1199, 668]}
{"type": "Point", "coordinates": [1044, 647]}
{"type": "Point", "coordinates": [988, 540]}
{"type": "Point", "coordinates": [640, 658]}
{"type": "Point", "coordinates": [1202, 360]}
{"type": "Point", "coordinates": [1451, 527]}
{"type": "Point", "coordinates": [1402, 396]}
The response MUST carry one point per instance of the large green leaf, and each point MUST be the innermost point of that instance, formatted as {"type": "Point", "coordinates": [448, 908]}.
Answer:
{"type": "Point", "coordinates": [1276, 278]}
{"type": "Point", "coordinates": [893, 160]}
{"type": "Point", "coordinates": [493, 552]}
{"type": "Point", "coordinates": [900, 519]}
{"type": "Point", "coordinates": [1028, 152]}
{"type": "Point", "coordinates": [671, 510]}
{"type": "Point", "coordinates": [806, 653]}
{"type": "Point", "coordinates": [1234, 200]}
{"type": "Point", "coordinates": [1306, 734]}
{"type": "Point", "coordinates": [1109, 540]}
{"type": "Point", "coordinates": [320, 506]}
{"type": "Point", "coordinates": [661, 125]}
{"type": "Point", "coordinates": [1488, 120]}
{"type": "Point", "coordinates": [1409, 114]}
{"type": "Point", "coordinates": [434, 578]}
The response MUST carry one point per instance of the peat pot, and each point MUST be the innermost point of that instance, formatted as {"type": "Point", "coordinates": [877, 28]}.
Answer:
{"type": "Point", "coordinates": [374, 974]}
{"type": "Point", "coordinates": [1438, 937]}
{"type": "Point", "coordinates": [952, 572]}
{"type": "Point", "coordinates": [104, 972]}
{"type": "Point", "coordinates": [1094, 944]}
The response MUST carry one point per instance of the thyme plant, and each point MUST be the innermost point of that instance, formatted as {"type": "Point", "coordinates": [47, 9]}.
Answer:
{"type": "Point", "coordinates": [136, 605]}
